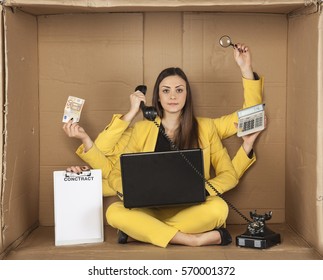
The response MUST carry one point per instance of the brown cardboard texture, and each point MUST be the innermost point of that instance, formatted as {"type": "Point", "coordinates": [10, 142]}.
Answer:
{"type": "Point", "coordinates": [101, 50]}
{"type": "Point", "coordinates": [1, 121]}
{"type": "Point", "coordinates": [21, 128]}
{"type": "Point", "coordinates": [84, 6]}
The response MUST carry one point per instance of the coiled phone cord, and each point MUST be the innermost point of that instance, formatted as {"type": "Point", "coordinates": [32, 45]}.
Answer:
{"type": "Point", "coordinates": [201, 175]}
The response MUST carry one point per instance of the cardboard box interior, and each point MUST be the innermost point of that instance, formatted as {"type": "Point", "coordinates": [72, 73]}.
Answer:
{"type": "Point", "coordinates": [100, 53]}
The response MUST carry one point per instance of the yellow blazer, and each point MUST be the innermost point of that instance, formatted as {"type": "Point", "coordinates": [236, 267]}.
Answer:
{"type": "Point", "coordinates": [114, 138]}
{"type": "Point", "coordinates": [144, 137]}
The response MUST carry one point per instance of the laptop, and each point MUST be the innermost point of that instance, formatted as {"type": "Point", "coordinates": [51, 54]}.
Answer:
{"type": "Point", "coordinates": [154, 179]}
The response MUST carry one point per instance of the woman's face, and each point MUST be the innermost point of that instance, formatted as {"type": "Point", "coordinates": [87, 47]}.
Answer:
{"type": "Point", "coordinates": [172, 94]}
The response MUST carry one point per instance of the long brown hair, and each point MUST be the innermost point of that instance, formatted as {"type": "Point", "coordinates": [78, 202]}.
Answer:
{"type": "Point", "coordinates": [186, 135]}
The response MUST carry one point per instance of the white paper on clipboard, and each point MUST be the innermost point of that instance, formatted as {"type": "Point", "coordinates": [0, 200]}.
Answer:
{"type": "Point", "coordinates": [78, 207]}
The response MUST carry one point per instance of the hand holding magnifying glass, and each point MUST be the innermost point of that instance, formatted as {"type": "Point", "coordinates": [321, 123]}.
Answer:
{"type": "Point", "coordinates": [225, 41]}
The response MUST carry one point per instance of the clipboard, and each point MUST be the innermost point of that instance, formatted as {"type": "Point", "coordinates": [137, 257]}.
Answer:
{"type": "Point", "coordinates": [78, 207]}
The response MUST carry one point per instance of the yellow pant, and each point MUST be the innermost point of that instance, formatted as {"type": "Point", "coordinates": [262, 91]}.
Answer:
{"type": "Point", "coordinates": [159, 225]}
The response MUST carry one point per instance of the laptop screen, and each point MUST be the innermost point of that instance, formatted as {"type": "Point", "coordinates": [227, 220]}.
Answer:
{"type": "Point", "coordinates": [153, 179]}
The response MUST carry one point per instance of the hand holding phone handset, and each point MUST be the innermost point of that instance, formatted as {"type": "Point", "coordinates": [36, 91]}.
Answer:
{"type": "Point", "coordinates": [149, 112]}
{"type": "Point", "coordinates": [257, 235]}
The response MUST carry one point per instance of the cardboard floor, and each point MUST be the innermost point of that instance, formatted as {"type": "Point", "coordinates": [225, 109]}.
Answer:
{"type": "Point", "coordinates": [39, 245]}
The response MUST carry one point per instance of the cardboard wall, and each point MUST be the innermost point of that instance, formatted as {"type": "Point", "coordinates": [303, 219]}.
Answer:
{"type": "Point", "coordinates": [319, 167]}
{"type": "Point", "coordinates": [98, 57]}
{"type": "Point", "coordinates": [42, 7]}
{"type": "Point", "coordinates": [102, 57]}
{"type": "Point", "coordinates": [304, 153]}
{"type": "Point", "coordinates": [301, 132]}
{"type": "Point", "coordinates": [217, 82]}
{"type": "Point", "coordinates": [2, 124]}
{"type": "Point", "coordinates": [21, 131]}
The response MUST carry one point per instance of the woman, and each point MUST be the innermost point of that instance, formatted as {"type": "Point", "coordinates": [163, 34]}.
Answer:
{"type": "Point", "coordinates": [106, 149]}
{"type": "Point", "coordinates": [112, 134]}
{"type": "Point", "coordinates": [186, 225]}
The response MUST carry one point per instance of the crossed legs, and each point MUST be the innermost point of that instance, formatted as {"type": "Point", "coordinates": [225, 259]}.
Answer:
{"type": "Point", "coordinates": [190, 225]}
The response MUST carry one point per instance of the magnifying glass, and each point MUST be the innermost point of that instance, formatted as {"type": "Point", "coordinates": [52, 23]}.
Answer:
{"type": "Point", "coordinates": [225, 41]}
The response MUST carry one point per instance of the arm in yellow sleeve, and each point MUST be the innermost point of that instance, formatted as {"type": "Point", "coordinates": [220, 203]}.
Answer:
{"type": "Point", "coordinates": [252, 96]}
{"type": "Point", "coordinates": [97, 160]}
{"type": "Point", "coordinates": [226, 177]}
{"type": "Point", "coordinates": [110, 143]}
{"type": "Point", "coordinates": [241, 162]}
{"type": "Point", "coordinates": [114, 138]}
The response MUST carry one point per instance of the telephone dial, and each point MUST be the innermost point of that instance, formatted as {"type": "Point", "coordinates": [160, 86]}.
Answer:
{"type": "Point", "coordinates": [257, 235]}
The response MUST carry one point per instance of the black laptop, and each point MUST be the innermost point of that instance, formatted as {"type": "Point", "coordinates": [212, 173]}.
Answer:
{"type": "Point", "coordinates": [154, 179]}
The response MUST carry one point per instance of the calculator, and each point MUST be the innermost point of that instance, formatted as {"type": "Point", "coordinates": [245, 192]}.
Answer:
{"type": "Point", "coordinates": [251, 119]}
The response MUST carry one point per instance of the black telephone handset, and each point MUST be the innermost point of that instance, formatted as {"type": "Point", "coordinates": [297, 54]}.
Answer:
{"type": "Point", "coordinates": [257, 235]}
{"type": "Point", "coordinates": [150, 112]}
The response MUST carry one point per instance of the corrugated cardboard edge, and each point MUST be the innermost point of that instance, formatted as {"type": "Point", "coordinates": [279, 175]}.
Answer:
{"type": "Point", "coordinates": [319, 166]}
{"type": "Point", "coordinates": [4, 252]}
{"type": "Point", "coordinates": [2, 125]}
{"type": "Point", "coordinates": [165, 3]}
{"type": "Point", "coordinates": [61, 6]}
{"type": "Point", "coordinates": [4, 92]}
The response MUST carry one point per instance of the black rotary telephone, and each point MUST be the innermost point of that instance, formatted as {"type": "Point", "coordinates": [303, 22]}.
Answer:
{"type": "Point", "coordinates": [257, 235]}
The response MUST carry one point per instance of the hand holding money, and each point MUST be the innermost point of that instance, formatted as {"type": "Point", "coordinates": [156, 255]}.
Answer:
{"type": "Point", "coordinates": [73, 129]}
{"type": "Point", "coordinates": [73, 109]}
{"type": "Point", "coordinates": [76, 131]}
{"type": "Point", "coordinates": [72, 114]}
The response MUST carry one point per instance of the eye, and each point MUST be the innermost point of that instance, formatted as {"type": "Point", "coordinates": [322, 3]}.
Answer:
{"type": "Point", "coordinates": [165, 90]}
{"type": "Point", "coordinates": [179, 90]}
